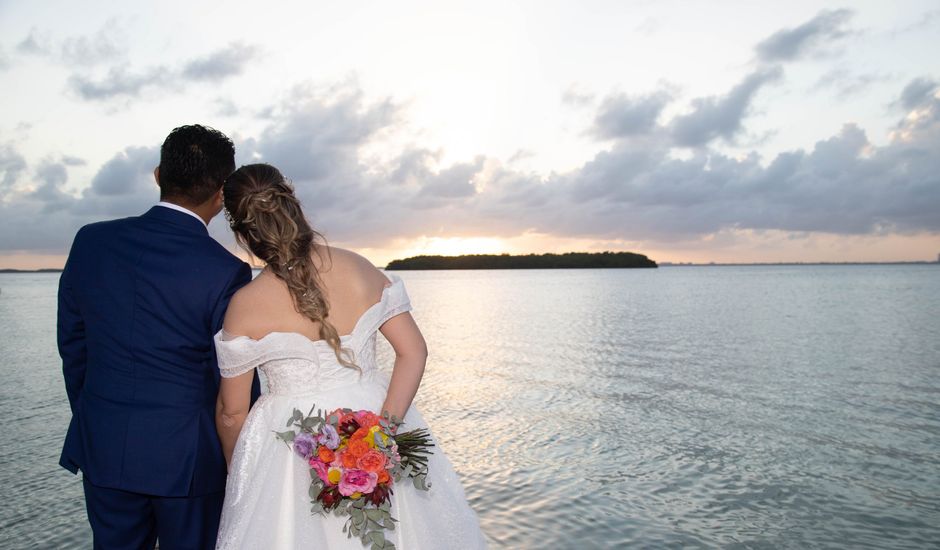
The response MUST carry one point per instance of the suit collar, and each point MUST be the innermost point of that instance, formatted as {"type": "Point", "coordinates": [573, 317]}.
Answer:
{"type": "Point", "coordinates": [179, 219]}
{"type": "Point", "coordinates": [182, 209]}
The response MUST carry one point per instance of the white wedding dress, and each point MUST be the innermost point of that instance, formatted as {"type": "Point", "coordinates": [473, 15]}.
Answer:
{"type": "Point", "coordinates": [267, 505]}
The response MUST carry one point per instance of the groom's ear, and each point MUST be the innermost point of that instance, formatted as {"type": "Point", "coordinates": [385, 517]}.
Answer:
{"type": "Point", "coordinates": [156, 175]}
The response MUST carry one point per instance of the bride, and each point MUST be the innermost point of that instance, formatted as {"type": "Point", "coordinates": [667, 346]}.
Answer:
{"type": "Point", "coordinates": [309, 321]}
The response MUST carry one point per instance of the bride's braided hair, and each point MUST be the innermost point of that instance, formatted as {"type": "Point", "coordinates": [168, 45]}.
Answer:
{"type": "Point", "coordinates": [267, 219]}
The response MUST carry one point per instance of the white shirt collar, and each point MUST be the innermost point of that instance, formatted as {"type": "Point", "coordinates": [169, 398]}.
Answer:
{"type": "Point", "coordinates": [179, 208]}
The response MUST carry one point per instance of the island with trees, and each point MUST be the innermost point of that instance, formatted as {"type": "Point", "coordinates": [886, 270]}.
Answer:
{"type": "Point", "coordinates": [568, 260]}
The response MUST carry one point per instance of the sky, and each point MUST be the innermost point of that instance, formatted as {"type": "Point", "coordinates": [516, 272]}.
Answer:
{"type": "Point", "coordinates": [687, 131]}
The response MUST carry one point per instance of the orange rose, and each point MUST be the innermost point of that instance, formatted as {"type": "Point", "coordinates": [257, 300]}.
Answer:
{"type": "Point", "coordinates": [357, 447]}
{"type": "Point", "coordinates": [384, 477]}
{"type": "Point", "coordinates": [325, 454]}
{"type": "Point", "coordinates": [361, 433]}
{"type": "Point", "coordinates": [348, 460]}
{"type": "Point", "coordinates": [372, 461]}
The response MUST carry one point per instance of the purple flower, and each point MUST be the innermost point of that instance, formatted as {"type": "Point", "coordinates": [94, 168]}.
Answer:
{"type": "Point", "coordinates": [328, 437]}
{"type": "Point", "coordinates": [304, 445]}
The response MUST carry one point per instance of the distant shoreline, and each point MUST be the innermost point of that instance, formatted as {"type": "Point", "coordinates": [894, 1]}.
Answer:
{"type": "Point", "coordinates": [662, 264]}
{"type": "Point", "coordinates": [716, 264]}
{"type": "Point", "coordinates": [568, 260]}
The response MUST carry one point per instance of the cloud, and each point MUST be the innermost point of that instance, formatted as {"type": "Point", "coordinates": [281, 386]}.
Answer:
{"type": "Point", "coordinates": [924, 20]}
{"type": "Point", "coordinates": [73, 161]}
{"type": "Point", "coordinates": [127, 173]}
{"type": "Point", "coordinates": [51, 176]}
{"type": "Point", "coordinates": [720, 116]}
{"type": "Point", "coordinates": [121, 81]}
{"type": "Point", "coordinates": [636, 190]}
{"type": "Point", "coordinates": [621, 115]}
{"type": "Point", "coordinates": [455, 181]}
{"type": "Point", "coordinates": [843, 185]}
{"type": "Point", "coordinates": [4, 59]}
{"type": "Point", "coordinates": [316, 133]}
{"type": "Point", "coordinates": [35, 43]}
{"type": "Point", "coordinates": [792, 44]}
{"type": "Point", "coordinates": [12, 165]}
{"type": "Point", "coordinates": [224, 106]}
{"type": "Point", "coordinates": [105, 45]}
{"type": "Point", "coordinates": [918, 92]}
{"type": "Point", "coordinates": [221, 64]}
{"type": "Point", "coordinates": [41, 217]}
{"type": "Point", "coordinates": [847, 84]}
{"type": "Point", "coordinates": [576, 97]}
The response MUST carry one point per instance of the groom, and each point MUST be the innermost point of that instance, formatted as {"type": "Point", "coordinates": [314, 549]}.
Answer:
{"type": "Point", "coordinates": [139, 301]}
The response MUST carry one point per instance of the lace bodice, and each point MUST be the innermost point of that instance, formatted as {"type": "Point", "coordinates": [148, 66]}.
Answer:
{"type": "Point", "coordinates": [295, 364]}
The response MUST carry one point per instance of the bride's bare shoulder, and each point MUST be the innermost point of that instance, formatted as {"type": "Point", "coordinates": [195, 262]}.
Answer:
{"type": "Point", "coordinates": [350, 268]}
{"type": "Point", "coordinates": [245, 315]}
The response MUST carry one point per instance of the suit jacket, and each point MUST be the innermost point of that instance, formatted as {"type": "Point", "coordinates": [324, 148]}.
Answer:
{"type": "Point", "coordinates": [139, 301]}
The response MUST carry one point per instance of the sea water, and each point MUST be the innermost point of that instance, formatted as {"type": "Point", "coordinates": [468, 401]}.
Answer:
{"type": "Point", "coordinates": [693, 407]}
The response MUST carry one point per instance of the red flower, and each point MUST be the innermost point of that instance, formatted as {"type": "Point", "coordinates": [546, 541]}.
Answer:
{"type": "Point", "coordinates": [330, 497]}
{"type": "Point", "coordinates": [379, 494]}
{"type": "Point", "coordinates": [367, 419]}
{"type": "Point", "coordinates": [348, 427]}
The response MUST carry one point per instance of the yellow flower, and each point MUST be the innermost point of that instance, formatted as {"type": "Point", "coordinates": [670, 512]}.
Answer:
{"type": "Point", "coordinates": [355, 495]}
{"type": "Point", "coordinates": [376, 430]}
{"type": "Point", "coordinates": [333, 474]}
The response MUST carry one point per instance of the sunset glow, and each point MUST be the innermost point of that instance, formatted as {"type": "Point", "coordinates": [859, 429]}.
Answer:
{"type": "Point", "coordinates": [808, 132]}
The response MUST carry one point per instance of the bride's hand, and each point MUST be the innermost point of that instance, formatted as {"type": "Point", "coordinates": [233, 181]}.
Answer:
{"type": "Point", "coordinates": [411, 354]}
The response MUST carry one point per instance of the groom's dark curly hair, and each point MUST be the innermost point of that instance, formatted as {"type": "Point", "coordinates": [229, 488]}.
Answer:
{"type": "Point", "coordinates": [194, 162]}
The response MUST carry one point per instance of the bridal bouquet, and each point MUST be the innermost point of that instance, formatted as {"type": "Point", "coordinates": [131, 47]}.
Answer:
{"type": "Point", "coordinates": [355, 458]}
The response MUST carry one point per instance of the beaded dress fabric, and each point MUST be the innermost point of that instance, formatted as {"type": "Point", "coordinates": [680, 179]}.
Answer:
{"type": "Point", "coordinates": [266, 497]}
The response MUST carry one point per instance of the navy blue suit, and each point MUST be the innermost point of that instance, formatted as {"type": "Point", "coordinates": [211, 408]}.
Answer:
{"type": "Point", "coordinates": [139, 301]}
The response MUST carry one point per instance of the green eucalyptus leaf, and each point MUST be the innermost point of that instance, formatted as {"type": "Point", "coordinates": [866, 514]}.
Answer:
{"type": "Point", "coordinates": [286, 437]}
{"type": "Point", "coordinates": [420, 482]}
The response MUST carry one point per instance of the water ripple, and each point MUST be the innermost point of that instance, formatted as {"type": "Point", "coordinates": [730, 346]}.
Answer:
{"type": "Point", "coordinates": [763, 407]}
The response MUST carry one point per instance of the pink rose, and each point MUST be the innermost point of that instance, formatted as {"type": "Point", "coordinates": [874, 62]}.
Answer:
{"type": "Point", "coordinates": [357, 481]}
{"type": "Point", "coordinates": [321, 469]}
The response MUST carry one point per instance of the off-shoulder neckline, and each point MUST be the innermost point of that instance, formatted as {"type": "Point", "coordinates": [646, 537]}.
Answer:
{"type": "Point", "coordinates": [393, 280]}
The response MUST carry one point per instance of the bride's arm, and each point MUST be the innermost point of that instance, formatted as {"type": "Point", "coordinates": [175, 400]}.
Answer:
{"type": "Point", "coordinates": [231, 409]}
{"type": "Point", "coordinates": [411, 354]}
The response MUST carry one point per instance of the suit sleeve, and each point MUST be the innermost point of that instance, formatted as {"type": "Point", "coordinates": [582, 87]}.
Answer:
{"type": "Point", "coordinates": [70, 330]}
{"type": "Point", "coordinates": [241, 278]}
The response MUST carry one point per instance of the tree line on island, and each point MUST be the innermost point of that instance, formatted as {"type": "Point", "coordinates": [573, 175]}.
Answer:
{"type": "Point", "coordinates": [568, 260]}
